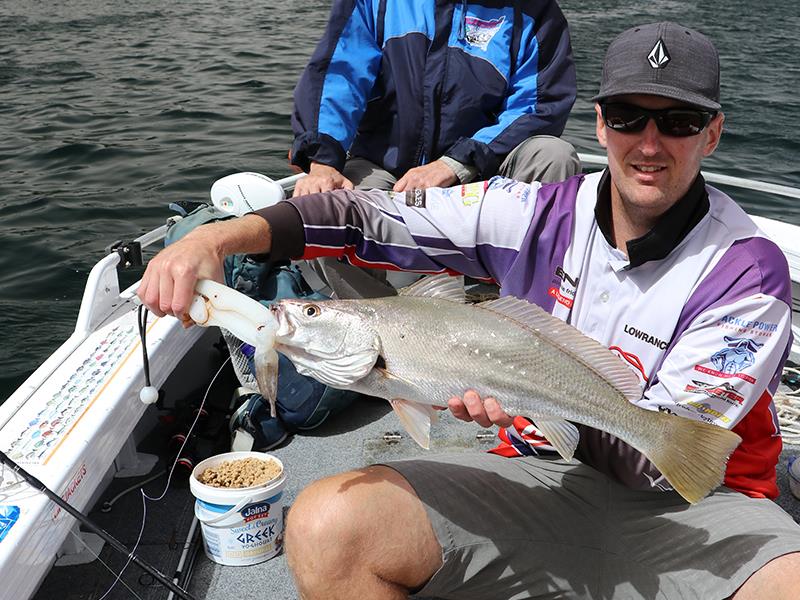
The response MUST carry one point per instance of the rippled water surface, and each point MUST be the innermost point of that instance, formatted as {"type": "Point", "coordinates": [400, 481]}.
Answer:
{"type": "Point", "coordinates": [111, 110]}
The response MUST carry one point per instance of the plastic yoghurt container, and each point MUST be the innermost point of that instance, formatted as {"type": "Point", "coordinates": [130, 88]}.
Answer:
{"type": "Point", "coordinates": [241, 526]}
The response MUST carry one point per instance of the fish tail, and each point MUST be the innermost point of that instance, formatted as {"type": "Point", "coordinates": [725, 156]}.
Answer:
{"type": "Point", "coordinates": [692, 455]}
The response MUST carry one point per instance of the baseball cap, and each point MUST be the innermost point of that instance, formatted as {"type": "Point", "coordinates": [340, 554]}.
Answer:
{"type": "Point", "coordinates": [662, 59]}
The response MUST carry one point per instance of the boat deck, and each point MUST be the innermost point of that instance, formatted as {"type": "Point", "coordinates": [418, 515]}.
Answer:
{"type": "Point", "coordinates": [349, 440]}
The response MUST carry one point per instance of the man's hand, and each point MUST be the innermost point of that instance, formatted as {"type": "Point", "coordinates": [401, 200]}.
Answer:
{"type": "Point", "coordinates": [435, 174]}
{"type": "Point", "coordinates": [167, 286]}
{"type": "Point", "coordinates": [484, 412]}
{"type": "Point", "coordinates": [321, 178]}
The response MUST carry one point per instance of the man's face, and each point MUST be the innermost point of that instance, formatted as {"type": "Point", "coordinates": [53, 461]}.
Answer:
{"type": "Point", "coordinates": [651, 171]}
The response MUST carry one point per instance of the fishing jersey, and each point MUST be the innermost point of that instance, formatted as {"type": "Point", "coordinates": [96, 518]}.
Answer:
{"type": "Point", "coordinates": [404, 82]}
{"type": "Point", "coordinates": [706, 326]}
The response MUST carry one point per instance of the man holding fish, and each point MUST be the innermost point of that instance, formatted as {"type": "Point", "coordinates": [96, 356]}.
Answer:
{"type": "Point", "coordinates": [667, 273]}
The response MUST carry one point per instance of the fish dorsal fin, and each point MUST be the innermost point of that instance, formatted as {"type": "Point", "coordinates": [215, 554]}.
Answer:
{"type": "Point", "coordinates": [441, 286]}
{"type": "Point", "coordinates": [560, 334]}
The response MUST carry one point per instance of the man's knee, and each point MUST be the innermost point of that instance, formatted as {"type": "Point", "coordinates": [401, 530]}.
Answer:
{"type": "Point", "coordinates": [319, 515]}
{"type": "Point", "coordinates": [542, 158]}
{"type": "Point", "coordinates": [779, 579]}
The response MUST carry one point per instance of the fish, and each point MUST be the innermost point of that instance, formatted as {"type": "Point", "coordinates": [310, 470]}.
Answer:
{"type": "Point", "coordinates": [427, 344]}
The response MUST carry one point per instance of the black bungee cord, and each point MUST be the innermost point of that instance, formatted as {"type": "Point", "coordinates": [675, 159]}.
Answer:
{"type": "Point", "coordinates": [148, 394]}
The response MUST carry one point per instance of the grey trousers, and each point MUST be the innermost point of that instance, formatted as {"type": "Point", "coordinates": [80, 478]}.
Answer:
{"type": "Point", "coordinates": [539, 158]}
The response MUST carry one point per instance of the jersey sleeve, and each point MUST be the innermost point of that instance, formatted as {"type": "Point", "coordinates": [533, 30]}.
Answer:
{"type": "Point", "coordinates": [474, 229]}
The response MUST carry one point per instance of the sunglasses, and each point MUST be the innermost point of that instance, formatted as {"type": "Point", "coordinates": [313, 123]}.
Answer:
{"type": "Point", "coordinates": [674, 122]}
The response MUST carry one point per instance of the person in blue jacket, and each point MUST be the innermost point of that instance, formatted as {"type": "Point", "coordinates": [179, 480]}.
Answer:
{"type": "Point", "coordinates": [405, 94]}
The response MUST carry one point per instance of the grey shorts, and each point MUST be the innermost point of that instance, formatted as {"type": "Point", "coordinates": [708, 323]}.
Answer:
{"type": "Point", "coordinates": [513, 528]}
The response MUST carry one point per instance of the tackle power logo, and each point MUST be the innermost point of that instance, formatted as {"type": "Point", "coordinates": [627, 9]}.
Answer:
{"type": "Point", "coordinates": [479, 32]}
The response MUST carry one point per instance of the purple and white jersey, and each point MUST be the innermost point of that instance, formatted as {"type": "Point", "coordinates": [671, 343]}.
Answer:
{"type": "Point", "coordinates": [706, 329]}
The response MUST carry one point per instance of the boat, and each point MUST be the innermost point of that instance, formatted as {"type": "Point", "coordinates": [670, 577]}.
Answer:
{"type": "Point", "coordinates": [78, 425]}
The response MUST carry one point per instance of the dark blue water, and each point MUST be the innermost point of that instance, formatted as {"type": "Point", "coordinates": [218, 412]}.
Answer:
{"type": "Point", "coordinates": [111, 110]}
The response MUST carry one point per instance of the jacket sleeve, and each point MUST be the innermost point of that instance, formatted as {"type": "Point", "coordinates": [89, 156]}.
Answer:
{"type": "Point", "coordinates": [475, 229]}
{"type": "Point", "coordinates": [541, 93]}
{"type": "Point", "coordinates": [333, 90]}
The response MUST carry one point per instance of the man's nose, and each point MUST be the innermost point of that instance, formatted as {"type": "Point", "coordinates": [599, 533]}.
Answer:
{"type": "Point", "coordinates": [650, 141]}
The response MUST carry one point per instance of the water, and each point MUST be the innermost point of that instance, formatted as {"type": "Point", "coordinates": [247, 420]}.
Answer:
{"type": "Point", "coordinates": [111, 110]}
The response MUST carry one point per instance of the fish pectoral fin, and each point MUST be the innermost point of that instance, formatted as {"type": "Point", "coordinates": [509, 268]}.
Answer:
{"type": "Point", "coordinates": [416, 418]}
{"type": "Point", "coordinates": [336, 371]}
{"type": "Point", "coordinates": [562, 434]}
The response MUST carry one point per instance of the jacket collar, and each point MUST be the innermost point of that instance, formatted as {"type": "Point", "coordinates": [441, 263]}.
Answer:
{"type": "Point", "coordinates": [672, 227]}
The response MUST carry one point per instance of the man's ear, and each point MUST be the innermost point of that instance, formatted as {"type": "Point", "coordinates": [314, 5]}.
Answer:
{"type": "Point", "coordinates": [714, 134]}
{"type": "Point", "coordinates": [600, 126]}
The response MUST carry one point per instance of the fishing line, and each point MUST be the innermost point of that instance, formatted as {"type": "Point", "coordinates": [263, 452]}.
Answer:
{"type": "Point", "coordinates": [145, 497]}
{"type": "Point", "coordinates": [189, 433]}
{"type": "Point", "coordinates": [108, 568]}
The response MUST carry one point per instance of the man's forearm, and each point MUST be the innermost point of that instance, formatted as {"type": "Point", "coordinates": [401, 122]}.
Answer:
{"type": "Point", "coordinates": [247, 235]}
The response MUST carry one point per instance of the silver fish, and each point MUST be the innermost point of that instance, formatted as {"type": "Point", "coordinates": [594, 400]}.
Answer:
{"type": "Point", "coordinates": [422, 347]}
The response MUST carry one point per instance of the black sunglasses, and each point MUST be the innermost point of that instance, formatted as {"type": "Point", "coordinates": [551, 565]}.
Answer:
{"type": "Point", "coordinates": [675, 122]}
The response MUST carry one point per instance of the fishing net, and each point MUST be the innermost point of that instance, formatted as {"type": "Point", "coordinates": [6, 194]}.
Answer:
{"type": "Point", "coordinates": [239, 361]}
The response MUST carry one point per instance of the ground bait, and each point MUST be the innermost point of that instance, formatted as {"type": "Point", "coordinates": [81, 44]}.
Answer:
{"type": "Point", "coordinates": [240, 473]}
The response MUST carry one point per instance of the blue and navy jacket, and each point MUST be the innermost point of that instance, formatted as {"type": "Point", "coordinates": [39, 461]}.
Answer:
{"type": "Point", "coordinates": [404, 82]}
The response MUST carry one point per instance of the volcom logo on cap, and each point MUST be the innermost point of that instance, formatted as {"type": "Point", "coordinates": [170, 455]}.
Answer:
{"type": "Point", "coordinates": [658, 57]}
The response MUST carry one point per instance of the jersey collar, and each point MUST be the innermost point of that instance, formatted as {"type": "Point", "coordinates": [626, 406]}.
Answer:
{"type": "Point", "coordinates": [674, 225]}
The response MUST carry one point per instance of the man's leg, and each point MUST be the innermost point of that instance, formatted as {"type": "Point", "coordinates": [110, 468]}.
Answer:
{"type": "Point", "coordinates": [779, 579]}
{"type": "Point", "coordinates": [345, 280]}
{"type": "Point", "coordinates": [366, 175]}
{"type": "Point", "coordinates": [361, 534]}
{"type": "Point", "coordinates": [541, 158]}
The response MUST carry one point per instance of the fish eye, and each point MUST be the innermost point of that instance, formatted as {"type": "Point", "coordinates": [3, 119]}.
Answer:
{"type": "Point", "coordinates": [311, 310]}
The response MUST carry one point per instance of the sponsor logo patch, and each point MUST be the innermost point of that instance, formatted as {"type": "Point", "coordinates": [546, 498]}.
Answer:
{"type": "Point", "coordinates": [723, 391]}
{"type": "Point", "coordinates": [707, 412]}
{"type": "Point", "coordinates": [479, 32]}
{"type": "Point", "coordinates": [472, 193]}
{"type": "Point", "coordinates": [733, 359]}
{"type": "Point", "coordinates": [564, 288]}
{"type": "Point", "coordinates": [415, 198]}
{"type": "Point", "coordinates": [645, 337]}
{"type": "Point", "coordinates": [747, 326]}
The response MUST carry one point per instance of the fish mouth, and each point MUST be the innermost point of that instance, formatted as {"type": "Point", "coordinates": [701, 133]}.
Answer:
{"type": "Point", "coordinates": [285, 327]}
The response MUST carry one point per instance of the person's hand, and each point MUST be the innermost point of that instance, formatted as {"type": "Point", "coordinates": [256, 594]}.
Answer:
{"type": "Point", "coordinates": [321, 178]}
{"type": "Point", "coordinates": [435, 174]}
{"type": "Point", "coordinates": [167, 286]}
{"type": "Point", "coordinates": [485, 413]}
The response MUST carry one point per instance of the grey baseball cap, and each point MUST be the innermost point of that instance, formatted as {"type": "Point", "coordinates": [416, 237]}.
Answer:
{"type": "Point", "coordinates": [662, 59]}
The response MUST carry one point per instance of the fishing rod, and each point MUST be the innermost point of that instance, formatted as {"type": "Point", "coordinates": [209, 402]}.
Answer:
{"type": "Point", "coordinates": [84, 520]}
